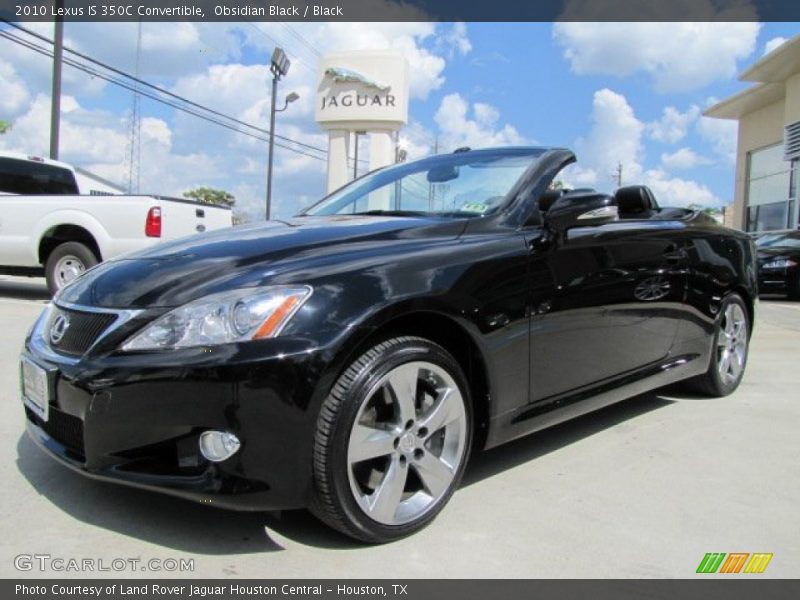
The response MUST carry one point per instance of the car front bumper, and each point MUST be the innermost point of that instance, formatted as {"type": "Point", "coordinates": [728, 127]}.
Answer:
{"type": "Point", "coordinates": [777, 281]}
{"type": "Point", "coordinates": [136, 420]}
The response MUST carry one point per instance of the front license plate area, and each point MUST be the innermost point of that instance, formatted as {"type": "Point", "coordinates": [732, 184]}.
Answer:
{"type": "Point", "coordinates": [36, 388]}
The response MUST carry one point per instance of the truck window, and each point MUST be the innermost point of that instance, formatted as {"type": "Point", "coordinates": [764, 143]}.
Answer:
{"type": "Point", "coordinates": [30, 177]}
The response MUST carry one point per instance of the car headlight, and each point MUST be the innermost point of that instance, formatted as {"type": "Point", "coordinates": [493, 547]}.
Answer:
{"type": "Point", "coordinates": [237, 316]}
{"type": "Point", "coordinates": [781, 263]}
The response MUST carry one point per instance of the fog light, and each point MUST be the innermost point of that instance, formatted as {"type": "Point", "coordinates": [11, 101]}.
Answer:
{"type": "Point", "coordinates": [217, 446]}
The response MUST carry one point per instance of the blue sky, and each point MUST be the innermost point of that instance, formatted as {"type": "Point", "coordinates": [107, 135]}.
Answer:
{"type": "Point", "coordinates": [630, 93]}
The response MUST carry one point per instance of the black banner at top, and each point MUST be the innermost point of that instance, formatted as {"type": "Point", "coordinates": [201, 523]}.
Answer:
{"type": "Point", "coordinates": [400, 10]}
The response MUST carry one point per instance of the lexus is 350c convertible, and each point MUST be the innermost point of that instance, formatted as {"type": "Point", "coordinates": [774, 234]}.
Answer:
{"type": "Point", "coordinates": [350, 359]}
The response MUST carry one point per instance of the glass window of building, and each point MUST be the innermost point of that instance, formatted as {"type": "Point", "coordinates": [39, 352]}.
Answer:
{"type": "Point", "coordinates": [794, 215]}
{"type": "Point", "coordinates": [770, 195]}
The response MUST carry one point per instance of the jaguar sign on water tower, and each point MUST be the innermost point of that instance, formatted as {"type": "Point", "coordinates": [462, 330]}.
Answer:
{"type": "Point", "coordinates": [361, 91]}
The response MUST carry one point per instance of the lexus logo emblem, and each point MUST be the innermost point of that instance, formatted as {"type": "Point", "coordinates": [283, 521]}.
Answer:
{"type": "Point", "coordinates": [59, 328]}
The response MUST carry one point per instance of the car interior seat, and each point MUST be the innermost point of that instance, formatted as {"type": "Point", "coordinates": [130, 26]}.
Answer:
{"type": "Point", "coordinates": [548, 198]}
{"type": "Point", "coordinates": [636, 202]}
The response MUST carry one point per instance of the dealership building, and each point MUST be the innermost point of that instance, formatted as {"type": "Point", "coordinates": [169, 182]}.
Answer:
{"type": "Point", "coordinates": [768, 152]}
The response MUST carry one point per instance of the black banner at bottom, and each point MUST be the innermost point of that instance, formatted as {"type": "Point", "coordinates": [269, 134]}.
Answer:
{"type": "Point", "coordinates": [411, 589]}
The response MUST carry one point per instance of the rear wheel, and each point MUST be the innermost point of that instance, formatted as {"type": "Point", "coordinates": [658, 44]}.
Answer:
{"type": "Point", "coordinates": [729, 355]}
{"type": "Point", "coordinates": [392, 440]}
{"type": "Point", "coordinates": [66, 262]}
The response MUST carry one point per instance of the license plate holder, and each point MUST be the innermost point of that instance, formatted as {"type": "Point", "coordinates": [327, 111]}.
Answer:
{"type": "Point", "coordinates": [37, 389]}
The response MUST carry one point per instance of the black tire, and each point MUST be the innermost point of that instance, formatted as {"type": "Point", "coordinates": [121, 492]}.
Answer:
{"type": "Point", "coordinates": [711, 383]}
{"type": "Point", "coordinates": [79, 252]}
{"type": "Point", "coordinates": [334, 501]}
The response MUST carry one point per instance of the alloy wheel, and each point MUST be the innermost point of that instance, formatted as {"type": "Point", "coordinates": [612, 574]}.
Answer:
{"type": "Point", "coordinates": [732, 344]}
{"type": "Point", "coordinates": [407, 443]}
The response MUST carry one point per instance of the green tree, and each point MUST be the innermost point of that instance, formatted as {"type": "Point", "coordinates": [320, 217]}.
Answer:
{"type": "Point", "coordinates": [4, 126]}
{"type": "Point", "coordinates": [709, 210]}
{"type": "Point", "coordinates": [208, 195]}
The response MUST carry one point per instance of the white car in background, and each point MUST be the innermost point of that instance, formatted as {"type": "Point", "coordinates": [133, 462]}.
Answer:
{"type": "Point", "coordinates": [48, 227]}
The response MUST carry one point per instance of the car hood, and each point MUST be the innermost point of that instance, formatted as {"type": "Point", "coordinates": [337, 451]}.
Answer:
{"type": "Point", "coordinates": [177, 272]}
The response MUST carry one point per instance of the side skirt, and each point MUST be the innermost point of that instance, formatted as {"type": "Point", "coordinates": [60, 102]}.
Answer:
{"type": "Point", "coordinates": [531, 418]}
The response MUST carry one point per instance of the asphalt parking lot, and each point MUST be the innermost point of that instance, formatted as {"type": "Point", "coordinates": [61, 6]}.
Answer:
{"type": "Point", "coordinates": [641, 489]}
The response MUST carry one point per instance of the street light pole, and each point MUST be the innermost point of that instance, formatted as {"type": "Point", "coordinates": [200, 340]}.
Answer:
{"type": "Point", "coordinates": [55, 100]}
{"type": "Point", "coordinates": [271, 142]}
{"type": "Point", "coordinates": [279, 67]}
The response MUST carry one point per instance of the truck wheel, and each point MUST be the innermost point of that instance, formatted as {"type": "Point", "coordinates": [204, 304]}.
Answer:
{"type": "Point", "coordinates": [65, 263]}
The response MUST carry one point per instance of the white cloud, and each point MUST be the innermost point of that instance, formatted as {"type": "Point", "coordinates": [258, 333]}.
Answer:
{"type": "Point", "coordinates": [773, 44]}
{"type": "Point", "coordinates": [455, 41]}
{"type": "Point", "coordinates": [673, 124]}
{"type": "Point", "coordinates": [683, 158]}
{"type": "Point", "coordinates": [425, 45]}
{"type": "Point", "coordinates": [722, 134]}
{"type": "Point", "coordinates": [615, 138]}
{"type": "Point", "coordinates": [97, 140]}
{"type": "Point", "coordinates": [674, 191]}
{"type": "Point", "coordinates": [85, 136]}
{"type": "Point", "coordinates": [475, 126]}
{"type": "Point", "coordinates": [233, 88]}
{"type": "Point", "coordinates": [36, 70]}
{"type": "Point", "coordinates": [15, 94]}
{"type": "Point", "coordinates": [677, 56]}
{"type": "Point", "coordinates": [416, 140]}
{"type": "Point", "coordinates": [168, 49]}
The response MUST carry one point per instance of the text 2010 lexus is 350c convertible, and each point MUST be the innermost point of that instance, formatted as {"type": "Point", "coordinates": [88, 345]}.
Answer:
{"type": "Point", "coordinates": [351, 358]}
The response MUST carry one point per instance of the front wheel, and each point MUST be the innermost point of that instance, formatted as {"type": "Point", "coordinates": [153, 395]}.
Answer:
{"type": "Point", "coordinates": [66, 262]}
{"type": "Point", "coordinates": [392, 440]}
{"type": "Point", "coordinates": [729, 353]}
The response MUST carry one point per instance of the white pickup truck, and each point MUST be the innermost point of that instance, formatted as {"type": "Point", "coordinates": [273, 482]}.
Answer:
{"type": "Point", "coordinates": [48, 227]}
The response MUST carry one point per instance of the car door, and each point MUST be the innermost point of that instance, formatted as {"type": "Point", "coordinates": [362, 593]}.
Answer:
{"type": "Point", "coordinates": [605, 302]}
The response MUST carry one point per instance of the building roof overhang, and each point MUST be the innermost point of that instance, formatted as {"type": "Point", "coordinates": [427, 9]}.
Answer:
{"type": "Point", "coordinates": [777, 66]}
{"type": "Point", "coordinates": [747, 101]}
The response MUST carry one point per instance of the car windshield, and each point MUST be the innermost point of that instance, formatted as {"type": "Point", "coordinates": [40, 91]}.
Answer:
{"type": "Point", "coordinates": [462, 184]}
{"type": "Point", "coordinates": [779, 240]}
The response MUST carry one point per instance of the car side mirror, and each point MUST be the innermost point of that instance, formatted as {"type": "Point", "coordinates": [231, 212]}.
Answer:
{"type": "Point", "coordinates": [581, 210]}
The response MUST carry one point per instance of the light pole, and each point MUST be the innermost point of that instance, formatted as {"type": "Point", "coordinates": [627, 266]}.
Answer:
{"type": "Point", "coordinates": [55, 100]}
{"type": "Point", "coordinates": [279, 67]}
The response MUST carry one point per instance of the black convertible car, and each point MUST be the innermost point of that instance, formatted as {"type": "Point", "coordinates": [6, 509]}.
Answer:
{"type": "Point", "coordinates": [349, 359]}
{"type": "Point", "coordinates": [779, 263]}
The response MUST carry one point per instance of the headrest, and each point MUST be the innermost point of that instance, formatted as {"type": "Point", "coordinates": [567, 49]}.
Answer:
{"type": "Point", "coordinates": [633, 199]}
{"type": "Point", "coordinates": [547, 199]}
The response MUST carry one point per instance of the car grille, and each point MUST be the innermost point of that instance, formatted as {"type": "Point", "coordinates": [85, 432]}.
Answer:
{"type": "Point", "coordinates": [63, 428]}
{"type": "Point", "coordinates": [83, 330]}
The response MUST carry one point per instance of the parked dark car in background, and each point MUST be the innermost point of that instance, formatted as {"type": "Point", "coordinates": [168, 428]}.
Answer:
{"type": "Point", "coordinates": [349, 359]}
{"type": "Point", "coordinates": [779, 263]}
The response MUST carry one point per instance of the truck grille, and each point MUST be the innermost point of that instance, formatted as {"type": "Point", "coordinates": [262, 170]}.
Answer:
{"type": "Point", "coordinates": [73, 332]}
{"type": "Point", "coordinates": [63, 428]}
